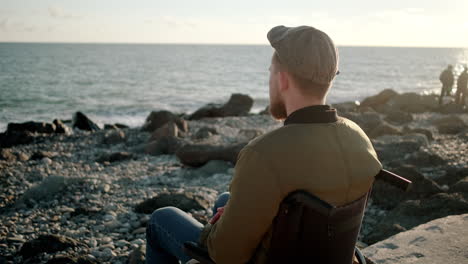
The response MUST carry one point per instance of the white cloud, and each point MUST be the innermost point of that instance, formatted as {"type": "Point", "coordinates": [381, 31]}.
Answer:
{"type": "Point", "coordinates": [60, 13]}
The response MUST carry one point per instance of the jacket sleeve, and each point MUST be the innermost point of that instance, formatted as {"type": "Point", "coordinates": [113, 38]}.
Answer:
{"type": "Point", "coordinates": [248, 215]}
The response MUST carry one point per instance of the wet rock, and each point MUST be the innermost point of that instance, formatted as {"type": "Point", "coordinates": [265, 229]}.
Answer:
{"type": "Point", "coordinates": [412, 213]}
{"type": "Point", "coordinates": [461, 186]}
{"type": "Point", "coordinates": [452, 176]}
{"type": "Point", "coordinates": [157, 119]}
{"type": "Point", "coordinates": [398, 117]}
{"type": "Point", "coordinates": [116, 156]}
{"type": "Point", "coordinates": [384, 129]}
{"type": "Point", "coordinates": [81, 121]}
{"type": "Point", "coordinates": [389, 147]}
{"type": "Point", "coordinates": [426, 132]}
{"type": "Point", "coordinates": [424, 158]}
{"type": "Point", "coordinates": [114, 137]}
{"type": "Point", "coordinates": [367, 121]}
{"type": "Point", "coordinates": [115, 126]}
{"type": "Point", "coordinates": [198, 154]}
{"type": "Point", "coordinates": [210, 168]}
{"type": "Point", "coordinates": [346, 107]}
{"type": "Point", "coordinates": [451, 108]}
{"type": "Point", "coordinates": [33, 127]}
{"type": "Point", "coordinates": [185, 201]}
{"type": "Point", "coordinates": [249, 134]}
{"type": "Point", "coordinates": [165, 145]}
{"type": "Point", "coordinates": [414, 103]}
{"type": "Point", "coordinates": [388, 196]}
{"type": "Point", "coordinates": [205, 132]}
{"type": "Point", "coordinates": [238, 105]}
{"type": "Point", "coordinates": [379, 99]}
{"type": "Point", "coordinates": [169, 129]}
{"type": "Point", "coordinates": [11, 139]}
{"type": "Point", "coordinates": [60, 127]}
{"type": "Point", "coordinates": [450, 125]}
{"type": "Point", "coordinates": [48, 244]}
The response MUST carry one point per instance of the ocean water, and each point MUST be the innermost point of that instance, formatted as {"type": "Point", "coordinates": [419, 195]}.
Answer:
{"type": "Point", "coordinates": [124, 82]}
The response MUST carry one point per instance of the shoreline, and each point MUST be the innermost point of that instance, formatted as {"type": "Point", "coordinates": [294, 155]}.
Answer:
{"type": "Point", "coordinates": [90, 187]}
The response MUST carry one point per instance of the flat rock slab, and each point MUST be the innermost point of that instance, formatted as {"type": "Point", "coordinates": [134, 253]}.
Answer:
{"type": "Point", "coordinates": [444, 240]}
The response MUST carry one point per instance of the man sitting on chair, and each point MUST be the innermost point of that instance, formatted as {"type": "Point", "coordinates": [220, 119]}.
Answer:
{"type": "Point", "coordinates": [316, 150]}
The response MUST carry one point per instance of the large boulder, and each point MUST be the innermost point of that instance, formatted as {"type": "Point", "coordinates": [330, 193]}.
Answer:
{"type": "Point", "coordinates": [411, 213]}
{"type": "Point", "coordinates": [398, 117]}
{"type": "Point", "coordinates": [346, 107]}
{"type": "Point", "coordinates": [185, 201]}
{"type": "Point", "coordinates": [60, 127]}
{"type": "Point", "coordinates": [199, 154]}
{"type": "Point", "coordinates": [81, 121]}
{"type": "Point", "coordinates": [113, 137]}
{"type": "Point", "coordinates": [379, 99]}
{"type": "Point", "coordinates": [418, 130]}
{"type": "Point", "coordinates": [452, 108]}
{"type": "Point", "coordinates": [238, 105]}
{"type": "Point", "coordinates": [414, 103]}
{"type": "Point", "coordinates": [443, 240]}
{"type": "Point", "coordinates": [11, 139]}
{"type": "Point", "coordinates": [388, 197]}
{"type": "Point", "coordinates": [48, 244]}
{"type": "Point", "coordinates": [157, 119]}
{"type": "Point", "coordinates": [384, 129]}
{"type": "Point", "coordinates": [450, 124]}
{"type": "Point", "coordinates": [33, 127]}
{"type": "Point", "coordinates": [164, 145]}
{"type": "Point", "coordinates": [452, 176]}
{"type": "Point", "coordinates": [461, 186]}
{"type": "Point", "coordinates": [391, 147]}
{"type": "Point", "coordinates": [367, 121]}
{"type": "Point", "coordinates": [169, 129]}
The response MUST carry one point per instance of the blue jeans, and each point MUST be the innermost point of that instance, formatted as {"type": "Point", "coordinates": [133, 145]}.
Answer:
{"type": "Point", "coordinates": [169, 228]}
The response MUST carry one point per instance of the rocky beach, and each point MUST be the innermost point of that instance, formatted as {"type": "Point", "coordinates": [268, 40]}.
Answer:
{"type": "Point", "coordinates": [73, 192]}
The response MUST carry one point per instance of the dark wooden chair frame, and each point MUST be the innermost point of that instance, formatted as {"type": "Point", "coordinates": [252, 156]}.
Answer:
{"type": "Point", "coordinates": [338, 227]}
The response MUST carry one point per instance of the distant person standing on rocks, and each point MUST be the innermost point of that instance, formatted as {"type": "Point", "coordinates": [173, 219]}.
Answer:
{"type": "Point", "coordinates": [447, 79]}
{"type": "Point", "coordinates": [315, 150]}
{"type": "Point", "coordinates": [462, 88]}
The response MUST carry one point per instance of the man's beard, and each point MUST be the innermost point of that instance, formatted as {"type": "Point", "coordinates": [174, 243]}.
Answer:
{"type": "Point", "coordinates": [278, 109]}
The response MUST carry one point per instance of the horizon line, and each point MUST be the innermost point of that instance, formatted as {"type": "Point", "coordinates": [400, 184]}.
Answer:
{"type": "Point", "coordinates": [214, 44]}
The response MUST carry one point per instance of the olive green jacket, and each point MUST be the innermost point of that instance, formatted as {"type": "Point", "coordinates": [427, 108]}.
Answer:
{"type": "Point", "coordinates": [317, 151]}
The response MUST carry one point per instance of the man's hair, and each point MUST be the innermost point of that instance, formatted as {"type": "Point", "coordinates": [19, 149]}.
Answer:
{"type": "Point", "coordinates": [306, 85]}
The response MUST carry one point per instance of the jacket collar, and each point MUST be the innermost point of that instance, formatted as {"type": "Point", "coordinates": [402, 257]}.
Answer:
{"type": "Point", "coordinates": [312, 114]}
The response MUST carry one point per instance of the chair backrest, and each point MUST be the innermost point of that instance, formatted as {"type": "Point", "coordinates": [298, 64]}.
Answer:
{"type": "Point", "coordinates": [309, 230]}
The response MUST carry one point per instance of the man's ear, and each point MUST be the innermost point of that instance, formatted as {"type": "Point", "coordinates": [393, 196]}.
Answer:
{"type": "Point", "coordinates": [284, 80]}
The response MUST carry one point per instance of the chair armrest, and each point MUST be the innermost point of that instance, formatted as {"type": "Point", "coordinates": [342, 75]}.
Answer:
{"type": "Point", "coordinates": [359, 256]}
{"type": "Point", "coordinates": [194, 251]}
{"type": "Point", "coordinates": [394, 179]}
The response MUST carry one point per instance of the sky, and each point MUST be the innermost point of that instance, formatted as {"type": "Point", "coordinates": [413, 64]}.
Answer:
{"type": "Point", "coordinates": [415, 23]}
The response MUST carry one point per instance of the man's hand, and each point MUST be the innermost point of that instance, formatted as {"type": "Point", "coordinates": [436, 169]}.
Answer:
{"type": "Point", "coordinates": [217, 215]}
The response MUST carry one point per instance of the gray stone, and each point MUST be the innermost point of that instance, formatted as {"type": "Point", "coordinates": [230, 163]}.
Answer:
{"type": "Point", "coordinates": [442, 240]}
{"type": "Point", "coordinates": [450, 125]}
{"type": "Point", "coordinates": [238, 105]}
